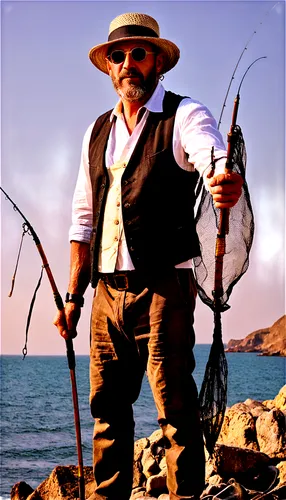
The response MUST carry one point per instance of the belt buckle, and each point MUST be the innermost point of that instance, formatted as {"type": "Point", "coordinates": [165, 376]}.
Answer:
{"type": "Point", "coordinates": [124, 285]}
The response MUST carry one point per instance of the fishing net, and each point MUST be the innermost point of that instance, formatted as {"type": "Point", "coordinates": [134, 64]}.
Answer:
{"type": "Point", "coordinates": [238, 241]}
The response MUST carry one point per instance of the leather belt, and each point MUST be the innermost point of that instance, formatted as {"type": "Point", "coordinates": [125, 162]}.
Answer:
{"type": "Point", "coordinates": [124, 280]}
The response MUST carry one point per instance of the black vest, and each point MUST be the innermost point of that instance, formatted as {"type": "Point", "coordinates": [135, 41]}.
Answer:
{"type": "Point", "coordinates": [157, 195]}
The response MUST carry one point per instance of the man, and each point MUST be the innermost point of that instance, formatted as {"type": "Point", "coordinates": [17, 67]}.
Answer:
{"type": "Point", "coordinates": [133, 236]}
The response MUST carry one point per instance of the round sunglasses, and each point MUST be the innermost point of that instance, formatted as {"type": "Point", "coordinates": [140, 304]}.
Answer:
{"type": "Point", "coordinates": [138, 54]}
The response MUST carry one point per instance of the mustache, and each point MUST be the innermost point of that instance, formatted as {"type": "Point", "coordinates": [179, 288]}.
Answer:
{"type": "Point", "coordinates": [129, 73]}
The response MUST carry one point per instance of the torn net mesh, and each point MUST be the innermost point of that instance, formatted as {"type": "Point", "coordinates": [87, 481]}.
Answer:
{"type": "Point", "coordinates": [213, 394]}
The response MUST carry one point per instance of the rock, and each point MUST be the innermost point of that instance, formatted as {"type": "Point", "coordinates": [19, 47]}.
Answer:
{"type": "Point", "coordinates": [152, 456]}
{"type": "Point", "coordinates": [238, 428]}
{"type": "Point", "coordinates": [157, 484]}
{"type": "Point", "coordinates": [280, 400]}
{"type": "Point", "coordinates": [62, 484]}
{"type": "Point", "coordinates": [215, 480]}
{"type": "Point", "coordinates": [255, 407]}
{"type": "Point", "coordinates": [149, 463]}
{"type": "Point", "coordinates": [138, 493]}
{"type": "Point", "coordinates": [252, 469]}
{"type": "Point", "coordinates": [164, 496]}
{"type": "Point", "coordinates": [163, 463]}
{"type": "Point", "coordinates": [282, 473]}
{"type": "Point", "coordinates": [156, 436]}
{"type": "Point", "coordinates": [269, 403]}
{"type": "Point", "coordinates": [229, 461]}
{"type": "Point", "coordinates": [139, 446]}
{"type": "Point", "coordinates": [271, 433]}
{"type": "Point", "coordinates": [21, 491]}
{"type": "Point", "coordinates": [144, 497]}
{"type": "Point", "coordinates": [268, 341]}
{"type": "Point", "coordinates": [138, 476]}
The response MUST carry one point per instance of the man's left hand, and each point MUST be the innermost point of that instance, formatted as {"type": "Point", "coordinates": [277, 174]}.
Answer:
{"type": "Point", "coordinates": [226, 189]}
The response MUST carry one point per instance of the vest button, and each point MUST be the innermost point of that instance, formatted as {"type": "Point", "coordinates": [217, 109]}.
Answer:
{"type": "Point", "coordinates": [128, 222]}
{"type": "Point", "coordinates": [126, 205]}
{"type": "Point", "coordinates": [131, 249]}
{"type": "Point", "coordinates": [102, 185]}
{"type": "Point", "coordinates": [125, 183]}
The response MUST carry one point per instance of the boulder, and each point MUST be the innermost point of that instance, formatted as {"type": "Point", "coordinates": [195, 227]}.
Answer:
{"type": "Point", "coordinates": [271, 433]}
{"type": "Point", "coordinates": [163, 463]}
{"type": "Point", "coordinates": [238, 428]}
{"type": "Point", "coordinates": [250, 468]}
{"type": "Point", "coordinates": [21, 491]}
{"type": "Point", "coordinates": [138, 477]}
{"type": "Point", "coordinates": [282, 473]}
{"type": "Point", "coordinates": [255, 407]}
{"type": "Point", "coordinates": [229, 461]}
{"type": "Point", "coordinates": [280, 399]}
{"type": "Point", "coordinates": [149, 463]}
{"type": "Point", "coordinates": [138, 493]}
{"type": "Point", "coordinates": [157, 484]}
{"type": "Point", "coordinates": [269, 403]}
{"type": "Point", "coordinates": [61, 484]}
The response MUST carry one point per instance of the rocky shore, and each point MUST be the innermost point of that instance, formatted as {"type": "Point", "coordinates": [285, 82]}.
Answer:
{"type": "Point", "coordinates": [266, 342]}
{"type": "Point", "coordinates": [249, 461]}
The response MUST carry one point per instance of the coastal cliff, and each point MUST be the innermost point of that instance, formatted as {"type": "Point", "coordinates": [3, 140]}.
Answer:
{"type": "Point", "coordinates": [267, 342]}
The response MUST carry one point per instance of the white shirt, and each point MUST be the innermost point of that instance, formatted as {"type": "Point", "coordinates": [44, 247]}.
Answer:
{"type": "Point", "coordinates": [195, 132]}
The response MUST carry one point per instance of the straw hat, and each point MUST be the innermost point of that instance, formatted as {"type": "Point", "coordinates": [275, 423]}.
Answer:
{"type": "Point", "coordinates": [137, 27]}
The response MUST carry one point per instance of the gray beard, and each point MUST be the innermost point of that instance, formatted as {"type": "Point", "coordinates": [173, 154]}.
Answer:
{"type": "Point", "coordinates": [135, 92]}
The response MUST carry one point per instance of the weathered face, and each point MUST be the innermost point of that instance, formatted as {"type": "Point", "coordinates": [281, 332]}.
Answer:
{"type": "Point", "coordinates": [134, 80]}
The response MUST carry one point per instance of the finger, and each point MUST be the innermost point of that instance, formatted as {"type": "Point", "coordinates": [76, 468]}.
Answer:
{"type": "Point", "coordinates": [65, 326]}
{"type": "Point", "coordinates": [68, 334]}
{"type": "Point", "coordinates": [223, 198]}
{"type": "Point", "coordinates": [228, 178]}
{"type": "Point", "coordinates": [226, 189]}
{"type": "Point", "coordinates": [224, 205]}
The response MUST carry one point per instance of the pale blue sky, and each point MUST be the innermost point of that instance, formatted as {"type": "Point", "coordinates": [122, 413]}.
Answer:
{"type": "Point", "coordinates": [51, 93]}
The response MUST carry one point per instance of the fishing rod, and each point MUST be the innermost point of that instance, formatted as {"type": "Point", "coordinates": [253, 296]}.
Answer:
{"type": "Point", "coordinates": [27, 228]}
{"type": "Point", "coordinates": [237, 64]}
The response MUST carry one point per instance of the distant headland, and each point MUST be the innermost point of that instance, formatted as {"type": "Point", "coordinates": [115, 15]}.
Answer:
{"type": "Point", "coordinates": [266, 342]}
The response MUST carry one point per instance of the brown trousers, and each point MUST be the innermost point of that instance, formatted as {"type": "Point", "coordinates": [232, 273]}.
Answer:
{"type": "Point", "coordinates": [130, 333]}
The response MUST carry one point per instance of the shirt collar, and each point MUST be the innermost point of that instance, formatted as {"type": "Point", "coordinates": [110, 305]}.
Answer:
{"type": "Point", "coordinates": [154, 104]}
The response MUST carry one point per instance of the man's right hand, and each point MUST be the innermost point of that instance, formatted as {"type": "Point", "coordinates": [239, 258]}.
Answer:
{"type": "Point", "coordinates": [66, 320]}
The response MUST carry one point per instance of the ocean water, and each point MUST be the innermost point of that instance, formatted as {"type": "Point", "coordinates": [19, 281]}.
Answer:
{"type": "Point", "coordinates": [37, 427]}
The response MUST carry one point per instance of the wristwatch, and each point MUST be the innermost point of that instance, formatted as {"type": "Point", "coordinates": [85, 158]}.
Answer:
{"type": "Point", "coordinates": [75, 298]}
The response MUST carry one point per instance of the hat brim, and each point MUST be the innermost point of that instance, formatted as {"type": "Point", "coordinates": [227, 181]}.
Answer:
{"type": "Point", "coordinates": [170, 51]}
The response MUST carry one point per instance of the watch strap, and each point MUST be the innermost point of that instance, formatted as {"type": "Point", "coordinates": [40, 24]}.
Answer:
{"type": "Point", "coordinates": [75, 298]}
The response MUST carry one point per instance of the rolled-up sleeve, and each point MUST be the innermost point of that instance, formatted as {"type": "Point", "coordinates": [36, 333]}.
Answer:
{"type": "Point", "coordinates": [81, 227]}
{"type": "Point", "coordinates": [197, 132]}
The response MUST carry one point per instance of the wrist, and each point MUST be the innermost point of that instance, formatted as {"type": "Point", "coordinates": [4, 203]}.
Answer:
{"type": "Point", "coordinates": [75, 298]}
